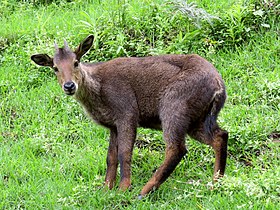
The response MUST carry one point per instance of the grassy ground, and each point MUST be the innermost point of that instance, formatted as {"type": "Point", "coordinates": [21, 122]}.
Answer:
{"type": "Point", "coordinates": [53, 157]}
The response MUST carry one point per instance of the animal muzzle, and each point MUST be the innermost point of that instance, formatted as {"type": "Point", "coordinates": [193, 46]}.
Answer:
{"type": "Point", "coordinates": [69, 88]}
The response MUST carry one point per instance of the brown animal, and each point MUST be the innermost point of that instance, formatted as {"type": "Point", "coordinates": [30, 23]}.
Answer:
{"type": "Point", "coordinates": [180, 94]}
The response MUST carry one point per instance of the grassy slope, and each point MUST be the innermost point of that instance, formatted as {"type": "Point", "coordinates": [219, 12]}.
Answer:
{"type": "Point", "coordinates": [52, 156]}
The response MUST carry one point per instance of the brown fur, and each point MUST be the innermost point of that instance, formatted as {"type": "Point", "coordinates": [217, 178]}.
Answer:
{"type": "Point", "coordinates": [180, 94]}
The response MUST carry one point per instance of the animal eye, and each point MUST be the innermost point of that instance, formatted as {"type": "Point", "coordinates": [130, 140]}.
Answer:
{"type": "Point", "coordinates": [76, 64]}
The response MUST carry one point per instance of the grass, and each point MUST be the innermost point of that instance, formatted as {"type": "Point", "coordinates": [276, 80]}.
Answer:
{"type": "Point", "coordinates": [53, 157]}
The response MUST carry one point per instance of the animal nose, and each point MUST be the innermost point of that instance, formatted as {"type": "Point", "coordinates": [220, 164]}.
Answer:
{"type": "Point", "coordinates": [69, 86]}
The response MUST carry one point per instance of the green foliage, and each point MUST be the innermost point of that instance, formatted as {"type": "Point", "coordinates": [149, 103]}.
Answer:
{"type": "Point", "coordinates": [53, 157]}
{"type": "Point", "coordinates": [240, 23]}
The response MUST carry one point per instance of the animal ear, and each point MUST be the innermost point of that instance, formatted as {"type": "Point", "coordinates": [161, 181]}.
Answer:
{"type": "Point", "coordinates": [84, 47]}
{"type": "Point", "coordinates": [42, 60]}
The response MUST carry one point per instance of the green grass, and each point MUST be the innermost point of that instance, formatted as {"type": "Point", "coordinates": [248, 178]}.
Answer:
{"type": "Point", "coordinates": [53, 157]}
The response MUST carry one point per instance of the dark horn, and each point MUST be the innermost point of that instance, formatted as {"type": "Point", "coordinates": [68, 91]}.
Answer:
{"type": "Point", "coordinates": [66, 45]}
{"type": "Point", "coordinates": [55, 46]}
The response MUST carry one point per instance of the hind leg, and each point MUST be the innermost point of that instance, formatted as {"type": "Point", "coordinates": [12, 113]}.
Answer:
{"type": "Point", "coordinates": [217, 139]}
{"type": "Point", "coordinates": [174, 136]}
{"type": "Point", "coordinates": [173, 155]}
{"type": "Point", "coordinates": [219, 144]}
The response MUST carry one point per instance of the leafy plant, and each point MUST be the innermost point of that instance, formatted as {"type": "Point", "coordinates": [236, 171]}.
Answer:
{"type": "Point", "coordinates": [195, 14]}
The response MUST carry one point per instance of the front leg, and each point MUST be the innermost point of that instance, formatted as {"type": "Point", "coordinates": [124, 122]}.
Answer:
{"type": "Point", "coordinates": [126, 139]}
{"type": "Point", "coordinates": [112, 160]}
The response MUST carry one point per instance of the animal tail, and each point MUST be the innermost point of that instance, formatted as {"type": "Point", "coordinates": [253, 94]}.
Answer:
{"type": "Point", "coordinates": [215, 107]}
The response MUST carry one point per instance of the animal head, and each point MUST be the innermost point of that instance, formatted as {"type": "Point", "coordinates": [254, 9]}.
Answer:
{"type": "Point", "coordinates": [66, 64]}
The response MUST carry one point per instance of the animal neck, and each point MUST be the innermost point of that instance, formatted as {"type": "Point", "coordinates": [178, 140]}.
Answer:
{"type": "Point", "coordinates": [88, 88]}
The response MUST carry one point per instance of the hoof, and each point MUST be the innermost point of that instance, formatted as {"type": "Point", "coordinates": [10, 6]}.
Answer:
{"type": "Point", "coordinates": [140, 197]}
